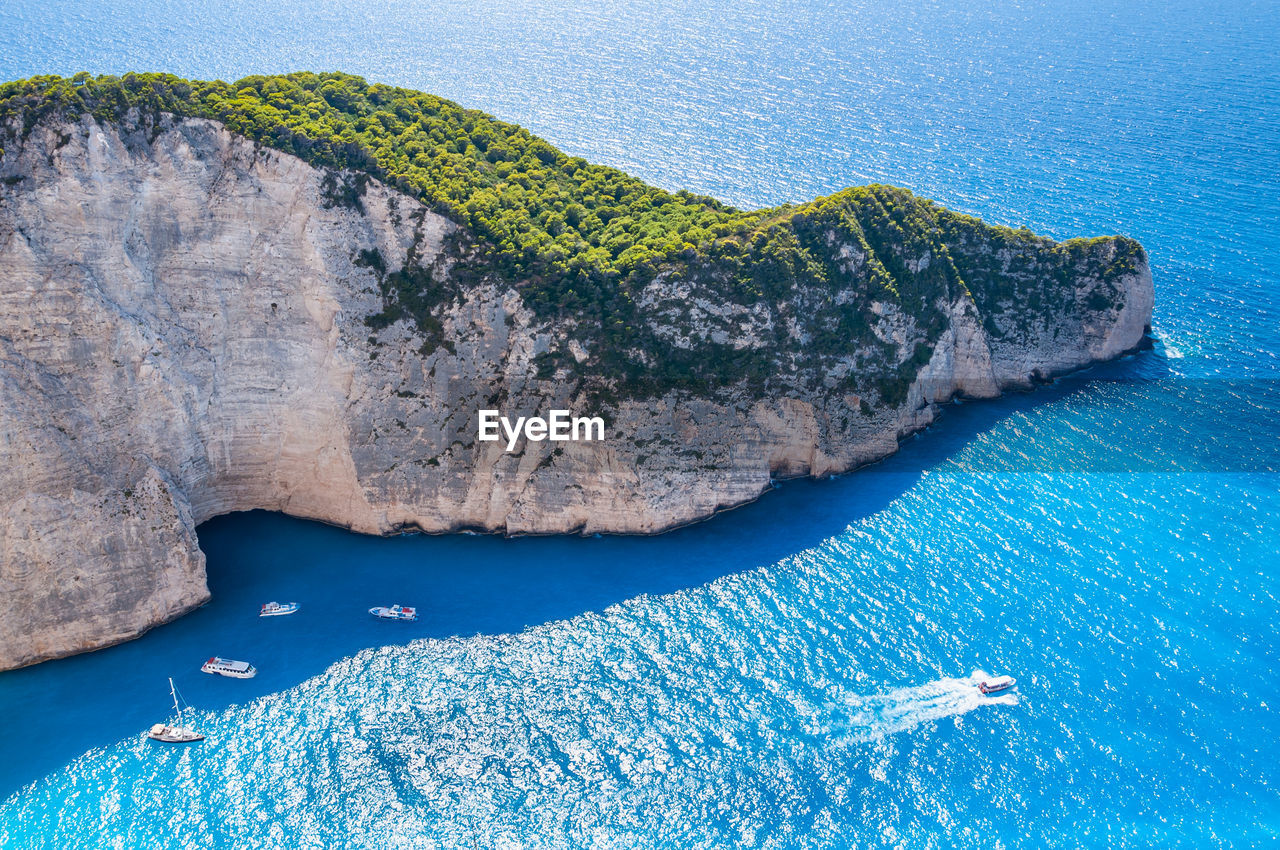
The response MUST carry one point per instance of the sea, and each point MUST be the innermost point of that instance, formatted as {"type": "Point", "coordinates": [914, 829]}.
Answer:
{"type": "Point", "coordinates": [799, 672]}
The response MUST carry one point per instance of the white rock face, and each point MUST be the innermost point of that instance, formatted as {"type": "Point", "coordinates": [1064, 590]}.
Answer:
{"type": "Point", "coordinates": [182, 335]}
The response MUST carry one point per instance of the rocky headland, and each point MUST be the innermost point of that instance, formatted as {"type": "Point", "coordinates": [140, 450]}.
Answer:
{"type": "Point", "coordinates": [198, 317]}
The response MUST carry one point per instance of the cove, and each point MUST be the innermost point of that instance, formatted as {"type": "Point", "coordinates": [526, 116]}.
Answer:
{"type": "Point", "coordinates": [463, 584]}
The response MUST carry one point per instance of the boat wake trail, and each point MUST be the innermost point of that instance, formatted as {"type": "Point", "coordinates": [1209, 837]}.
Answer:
{"type": "Point", "coordinates": [863, 718]}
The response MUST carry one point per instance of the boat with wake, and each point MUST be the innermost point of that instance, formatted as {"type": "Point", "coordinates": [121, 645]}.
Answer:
{"type": "Point", "coordinates": [177, 733]}
{"type": "Point", "coordinates": [996, 684]}
{"type": "Point", "coordinates": [395, 612]}
{"type": "Point", "coordinates": [278, 609]}
{"type": "Point", "coordinates": [229, 668]}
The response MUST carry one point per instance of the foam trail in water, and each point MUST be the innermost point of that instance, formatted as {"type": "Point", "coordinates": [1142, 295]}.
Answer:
{"type": "Point", "coordinates": [863, 718]}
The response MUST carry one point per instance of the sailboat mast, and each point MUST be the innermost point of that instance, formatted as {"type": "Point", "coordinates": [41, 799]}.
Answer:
{"type": "Point", "coordinates": [177, 708]}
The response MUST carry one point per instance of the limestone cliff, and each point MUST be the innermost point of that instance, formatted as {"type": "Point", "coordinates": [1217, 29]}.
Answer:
{"type": "Point", "coordinates": [185, 331]}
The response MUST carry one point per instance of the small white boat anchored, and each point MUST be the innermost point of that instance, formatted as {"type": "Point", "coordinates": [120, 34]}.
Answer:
{"type": "Point", "coordinates": [227, 667]}
{"type": "Point", "coordinates": [278, 609]}
{"type": "Point", "coordinates": [179, 732]}
{"type": "Point", "coordinates": [395, 612]}
{"type": "Point", "coordinates": [996, 684]}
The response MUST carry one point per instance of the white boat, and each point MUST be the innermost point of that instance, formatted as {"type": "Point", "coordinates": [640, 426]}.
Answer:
{"type": "Point", "coordinates": [227, 667]}
{"type": "Point", "coordinates": [278, 609]}
{"type": "Point", "coordinates": [395, 612]}
{"type": "Point", "coordinates": [996, 684]}
{"type": "Point", "coordinates": [179, 732]}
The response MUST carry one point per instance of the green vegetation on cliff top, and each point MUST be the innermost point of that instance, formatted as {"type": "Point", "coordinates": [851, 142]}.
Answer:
{"type": "Point", "coordinates": [546, 213]}
{"type": "Point", "coordinates": [582, 240]}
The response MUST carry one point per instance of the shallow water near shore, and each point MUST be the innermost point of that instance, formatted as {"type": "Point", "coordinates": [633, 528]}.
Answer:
{"type": "Point", "coordinates": [798, 672]}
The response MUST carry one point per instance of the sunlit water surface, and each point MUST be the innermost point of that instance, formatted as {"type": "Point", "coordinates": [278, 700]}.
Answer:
{"type": "Point", "coordinates": [798, 673]}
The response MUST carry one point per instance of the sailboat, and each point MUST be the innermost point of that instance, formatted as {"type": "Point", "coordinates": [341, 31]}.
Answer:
{"type": "Point", "coordinates": [179, 733]}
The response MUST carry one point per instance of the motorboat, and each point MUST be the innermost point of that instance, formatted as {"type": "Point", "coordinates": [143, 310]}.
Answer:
{"type": "Point", "coordinates": [178, 732]}
{"type": "Point", "coordinates": [278, 609]}
{"type": "Point", "coordinates": [395, 612]}
{"type": "Point", "coordinates": [996, 684]}
{"type": "Point", "coordinates": [227, 667]}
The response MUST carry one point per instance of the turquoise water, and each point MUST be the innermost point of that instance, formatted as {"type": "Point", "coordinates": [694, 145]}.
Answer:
{"type": "Point", "coordinates": [795, 673]}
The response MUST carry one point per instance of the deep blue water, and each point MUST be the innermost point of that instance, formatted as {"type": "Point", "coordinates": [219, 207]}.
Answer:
{"type": "Point", "coordinates": [794, 673]}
